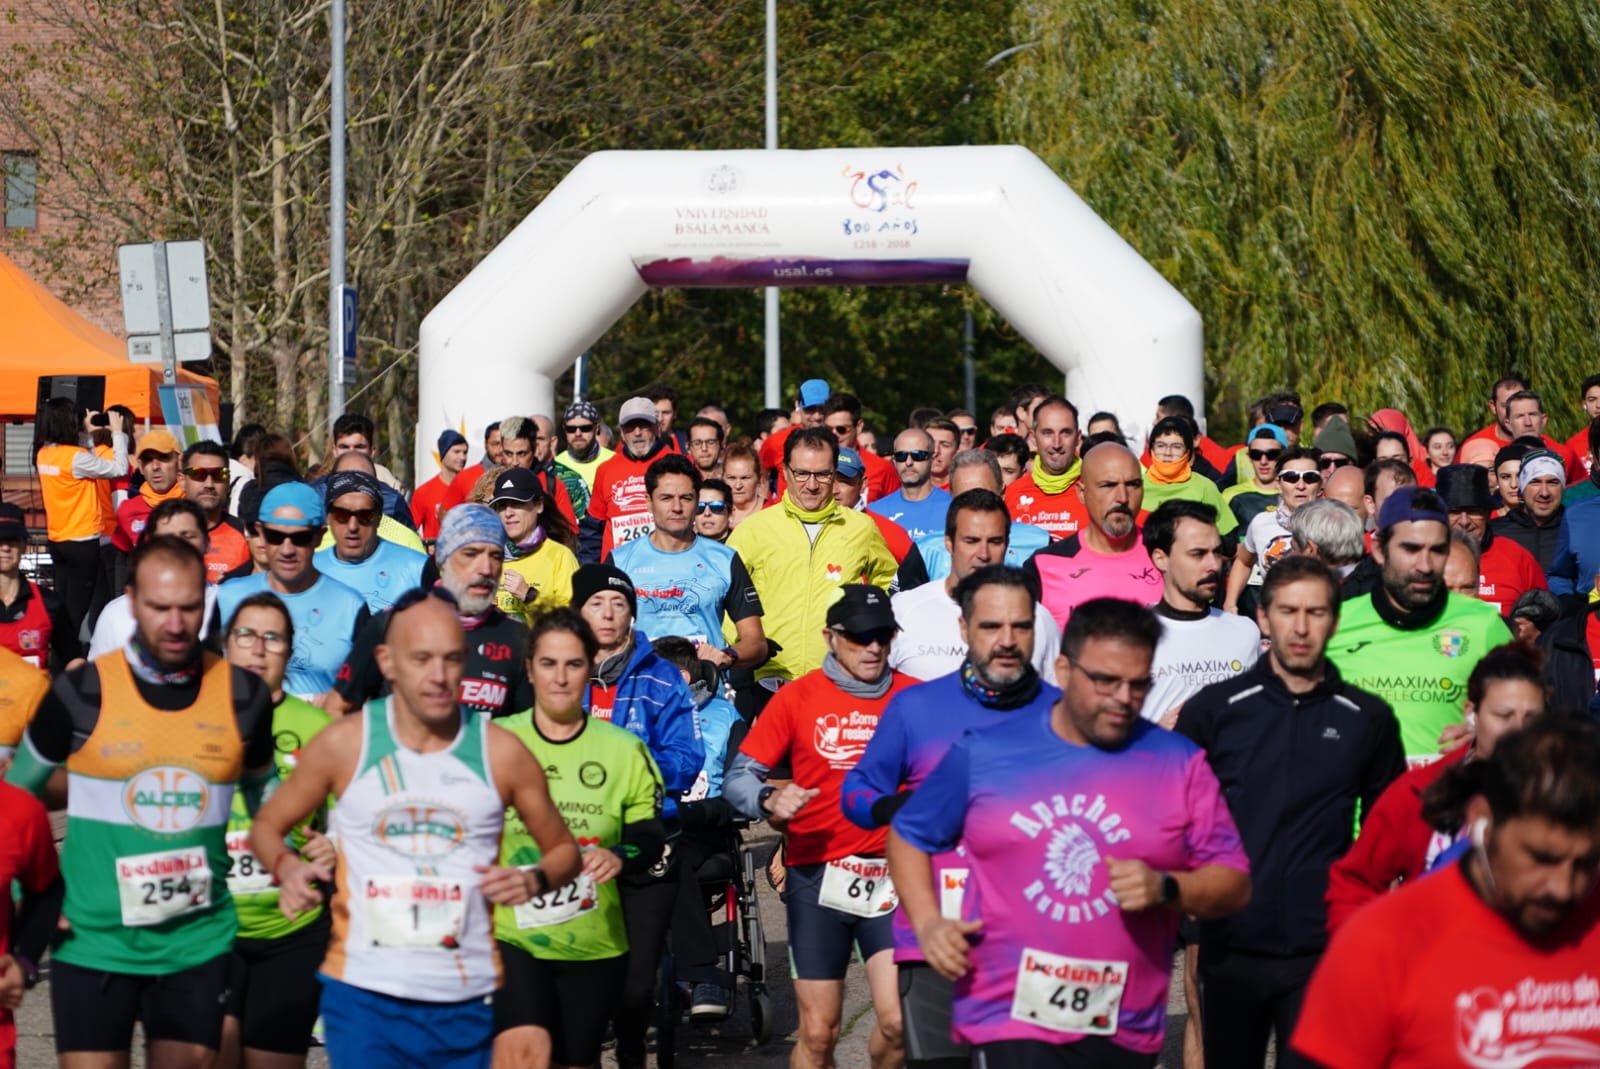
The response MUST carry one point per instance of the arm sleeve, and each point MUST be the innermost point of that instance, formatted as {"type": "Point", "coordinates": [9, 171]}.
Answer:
{"type": "Point", "coordinates": [1563, 571]}
{"type": "Point", "coordinates": [363, 617]}
{"type": "Point", "coordinates": [1194, 723]}
{"type": "Point", "coordinates": [742, 786]}
{"type": "Point", "coordinates": [255, 723]}
{"type": "Point", "coordinates": [359, 680]}
{"type": "Point", "coordinates": [1377, 858]}
{"type": "Point", "coordinates": [591, 535]}
{"type": "Point", "coordinates": [641, 845]}
{"type": "Point", "coordinates": [1212, 837]}
{"type": "Point", "coordinates": [51, 734]}
{"type": "Point", "coordinates": [85, 465]}
{"type": "Point", "coordinates": [674, 735]}
{"type": "Point", "coordinates": [881, 567]}
{"type": "Point", "coordinates": [879, 772]}
{"type": "Point", "coordinates": [934, 818]}
{"type": "Point", "coordinates": [913, 571]}
{"type": "Point", "coordinates": [743, 601]}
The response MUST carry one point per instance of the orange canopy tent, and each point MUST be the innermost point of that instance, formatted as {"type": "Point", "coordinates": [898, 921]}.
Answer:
{"type": "Point", "coordinates": [39, 335]}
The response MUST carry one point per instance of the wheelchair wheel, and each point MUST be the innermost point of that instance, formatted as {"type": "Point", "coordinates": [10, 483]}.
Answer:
{"type": "Point", "coordinates": [761, 1017]}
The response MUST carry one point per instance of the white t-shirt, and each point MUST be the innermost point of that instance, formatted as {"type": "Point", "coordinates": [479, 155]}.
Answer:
{"type": "Point", "coordinates": [1268, 538]}
{"type": "Point", "coordinates": [116, 624]}
{"type": "Point", "coordinates": [1196, 653]}
{"type": "Point", "coordinates": [929, 643]}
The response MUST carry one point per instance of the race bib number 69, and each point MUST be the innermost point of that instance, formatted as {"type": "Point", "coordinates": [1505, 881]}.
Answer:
{"type": "Point", "coordinates": [859, 886]}
{"type": "Point", "coordinates": [1069, 994]}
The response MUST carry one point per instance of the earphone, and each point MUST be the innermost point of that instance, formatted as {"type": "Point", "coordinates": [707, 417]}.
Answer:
{"type": "Point", "coordinates": [1479, 827]}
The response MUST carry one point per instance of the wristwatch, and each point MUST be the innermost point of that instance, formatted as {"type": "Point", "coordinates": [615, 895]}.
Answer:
{"type": "Point", "coordinates": [1169, 890]}
{"type": "Point", "coordinates": [761, 799]}
{"type": "Point", "coordinates": [541, 879]}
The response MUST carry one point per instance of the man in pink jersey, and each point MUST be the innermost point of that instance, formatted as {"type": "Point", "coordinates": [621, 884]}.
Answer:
{"type": "Point", "coordinates": [1106, 558]}
{"type": "Point", "coordinates": [1088, 832]}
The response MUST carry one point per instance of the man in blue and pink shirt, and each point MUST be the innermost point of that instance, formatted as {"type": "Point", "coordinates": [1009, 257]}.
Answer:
{"type": "Point", "coordinates": [996, 682]}
{"type": "Point", "coordinates": [1088, 833]}
{"type": "Point", "coordinates": [1106, 558]}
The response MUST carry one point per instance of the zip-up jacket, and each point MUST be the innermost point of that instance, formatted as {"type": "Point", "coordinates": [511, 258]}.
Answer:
{"type": "Point", "coordinates": [796, 576]}
{"type": "Point", "coordinates": [1293, 768]}
{"type": "Point", "coordinates": [651, 700]}
{"type": "Point", "coordinates": [1537, 538]}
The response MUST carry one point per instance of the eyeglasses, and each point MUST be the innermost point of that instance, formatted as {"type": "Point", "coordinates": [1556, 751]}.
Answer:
{"type": "Point", "coordinates": [203, 475]}
{"type": "Point", "coordinates": [1108, 684]}
{"type": "Point", "coordinates": [274, 641]}
{"type": "Point", "coordinates": [810, 476]}
{"type": "Point", "coordinates": [1258, 455]}
{"type": "Point", "coordinates": [698, 443]}
{"type": "Point", "coordinates": [1310, 478]}
{"type": "Point", "coordinates": [882, 636]}
{"type": "Point", "coordinates": [1168, 449]}
{"type": "Point", "coordinates": [578, 428]}
{"type": "Point", "coordinates": [365, 517]}
{"type": "Point", "coordinates": [714, 507]}
{"type": "Point", "coordinates": [1336, 462]}
{"type": "Point", "coordinates": [918, 455]}
{"type": "Point", "coordinates": [275, 537]}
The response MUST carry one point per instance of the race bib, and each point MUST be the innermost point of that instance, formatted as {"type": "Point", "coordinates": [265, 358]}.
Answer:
{"type": "Point", "coordinates": [415, 912]}
{"type": "Point", "coordinates": [701, 788]}
{"type": "Point", "coordinates": [859, 886]}
{"type": "Point", "coordinates": [952, 891]}
{"type": "Point", "coordinates": [1069, 994]}
{"type": "Point", "coordinates": [631, 527]}
{"type": "Point", "coordinates": [246, 874]}
{"type": "Point", "coordinates": [157, 887]}
{"type": "Point", "coordinates": [559, 905]}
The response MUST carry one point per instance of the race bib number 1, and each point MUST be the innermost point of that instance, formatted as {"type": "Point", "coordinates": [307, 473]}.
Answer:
{"type": "Point", "coordinates": [559, 905]}
{"type": "Point", "coordinates": [158, 887]}
{"type": "Point", "coordinates": [1069, 994]}
{"type": "Point", "coordinates": [246, 874]}
{"type": "Point", "coordinates": [415, 912]}
{"type": "Point", "coordinates": [859, 886]}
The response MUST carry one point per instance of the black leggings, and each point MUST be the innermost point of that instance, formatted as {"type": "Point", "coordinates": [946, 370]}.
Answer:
{"type": "Point", "coordinates": [648, 911]}
{"type": "Point", "coordinates": [1244, 998]}
{"type": "Point", "coordinates": [76, 567]}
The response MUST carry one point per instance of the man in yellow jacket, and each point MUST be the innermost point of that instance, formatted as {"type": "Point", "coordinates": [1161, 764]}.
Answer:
{"type": "Point", "coordinates": [800, 551]}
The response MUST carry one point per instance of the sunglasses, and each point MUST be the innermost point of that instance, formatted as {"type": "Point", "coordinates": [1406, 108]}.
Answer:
{"type": "Point", "coordinates": [275, 537]}
{"type": "Point", "coordinates": [918, 455]}
{"type": "Point", "coordinates": [207, 475]}
{"type": "Point", "coordinates": [365, 517]}
{"type": "Point", "coordinates": [967, 432]}
{"type": "Point", "coordinates": [883, 636]}
{"type": "Point", "coordinates": [1336, 462]}
{"type": "Point", "coordinates": [578, 428]}
{"type": "Point", "coordinates": [1310, 478]}
{"type": "Point", "coordinates": [1259, 455]}
{"type": "Point", "coordinates": [715, 507]}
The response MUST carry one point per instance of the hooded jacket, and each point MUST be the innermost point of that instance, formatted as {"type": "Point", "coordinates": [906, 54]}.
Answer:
{"type": "Point", "coordinates": [648, 697]}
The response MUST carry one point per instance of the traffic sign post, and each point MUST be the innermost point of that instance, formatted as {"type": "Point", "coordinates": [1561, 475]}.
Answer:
{"type": "Point", "coordinates": [166, 308]}
{"type": "Point", "coordinates": [346, 364]}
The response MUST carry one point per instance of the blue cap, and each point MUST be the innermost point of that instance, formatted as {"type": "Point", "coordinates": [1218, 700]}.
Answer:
{"type": "Point", "coordinates": [1270, 430]}
{"type": "Point", "coordinates": [814, 393]}
{"type": "Point", "coordinates": [1400, 506]}
{"type": "Point", "coordinates": [849, 463]}
{"type": "Point", "coordinates": [292, 505]}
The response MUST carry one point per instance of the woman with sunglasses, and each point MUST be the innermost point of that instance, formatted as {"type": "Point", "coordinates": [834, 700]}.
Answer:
{"type": "Point", "coordinates": [272, 980]}
{"type": "Point", "coordinates": [1505, 692]}
{"type": "Point", "coordinates": [1267, 540]}
{"type": "Point", "coordinates": [713, 513]}
{"type": "Point", "coordinates": [565, 954]}
{"type": "Point", "coordinates": [1171, 474]}
{"type": "Point", "coordinates": [741, 470]}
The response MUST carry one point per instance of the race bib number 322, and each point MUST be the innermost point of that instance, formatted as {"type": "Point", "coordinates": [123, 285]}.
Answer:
{"type": "Point", "coordinates": [558, 905]}
{"type": "Point", "coordinates": [1069, 994]}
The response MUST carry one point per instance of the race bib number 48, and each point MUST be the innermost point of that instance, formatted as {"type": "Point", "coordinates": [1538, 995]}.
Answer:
{"type": "Point", "coordinates": [158, 887]}
{"type": "Point", "coordinates": [1069, 994]}
{"type": "Point", "coordinates": [859, 886]}
{"type": "Point", "coordinates": [559, 905]}
{"type": "Point", "coordinates": [415, 912]}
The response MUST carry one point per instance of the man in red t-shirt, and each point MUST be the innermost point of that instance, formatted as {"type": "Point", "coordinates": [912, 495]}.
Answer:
{"type": "Point", "coordinates": [1518, 412]}
{"type": "Point", "coordinates": [1505, 570]}
{"type": "Point", "coordinates": [1043, 495]}
{"type": "Point", "coordinates": [838, 894]}
{"type": "Point", "coordinates": [1578, 444]}
{"type": "Point", "coordinates": [28, 859]}
{"type": "Point", "coordinates": [619, 509]}
{"type": "Point", "coordinates": [431, 500]}
{"type": "Point", "coordinates": [157, 453]}
{"type": "Point", "coordinates": [1492, 960]}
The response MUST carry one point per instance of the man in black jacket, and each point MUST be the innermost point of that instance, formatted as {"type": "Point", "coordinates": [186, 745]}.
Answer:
{"type": "Point", "coordinates": [1534, 523]}
{"type": "Point", "coordinates": [1296, 749]}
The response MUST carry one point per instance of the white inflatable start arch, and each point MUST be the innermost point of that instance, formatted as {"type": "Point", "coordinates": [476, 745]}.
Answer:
{"type": "Point", "coordinates": [994, 216]}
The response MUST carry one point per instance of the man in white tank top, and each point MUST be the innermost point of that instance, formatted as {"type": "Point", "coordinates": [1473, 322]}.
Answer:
{"type": "Point", "coordinates": [423, 789]}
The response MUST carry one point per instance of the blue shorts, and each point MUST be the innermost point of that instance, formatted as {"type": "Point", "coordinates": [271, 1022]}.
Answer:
{"type": "Point", "coordinates": [820, 937]}
{"type": "Point", "coordinates": [366, 1030]}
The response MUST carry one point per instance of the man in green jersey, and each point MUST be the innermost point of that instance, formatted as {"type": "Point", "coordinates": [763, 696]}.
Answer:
{"type": "Point", "coordinates": [1411, 641]}
{"type": "Point", "coordinates": [155, 738]}
{"type": "Point", "coordinates": [564, 953]}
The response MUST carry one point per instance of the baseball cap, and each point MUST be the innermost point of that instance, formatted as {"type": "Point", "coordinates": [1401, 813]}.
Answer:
{"type": "Point", "coordinates": [449, 439]}
{"type": "Point", "coordinates": [860, 608]}
{"type": "Point", "coordinates": [637, 410]}
{"type": "Point", "coordinates": [157, 441]}
{"type": "Point", "coordinates": [1285, 415]}
{"type": "Point", "coordinates": [292, 505]}
{"type": "Point", "coordinates": [814, 393]}
{"type": "Point", "coordinates": [849, 464]}
{"type": "Point", "coordinates": [1270, 430]}
{"type": "Point", "coordinates": [591, 579]}
{"type": "Point", "coordinates": [1401, 506]}
{"type": "Point", "coordinates": [516, 484]}
{"type": "Point", "coordinates": [13, 523]}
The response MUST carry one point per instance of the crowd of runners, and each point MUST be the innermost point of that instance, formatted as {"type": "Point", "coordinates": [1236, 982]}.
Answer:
{"type": "Point", "coordinates": [437, 778]}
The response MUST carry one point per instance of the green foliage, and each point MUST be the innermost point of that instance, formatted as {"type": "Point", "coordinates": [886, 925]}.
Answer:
{"type": "Point", "coordinates": [1376, 201]}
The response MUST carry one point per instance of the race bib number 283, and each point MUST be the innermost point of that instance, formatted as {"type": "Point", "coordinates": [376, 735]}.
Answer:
{"type": "Point", "coordinates": [1069, 994]}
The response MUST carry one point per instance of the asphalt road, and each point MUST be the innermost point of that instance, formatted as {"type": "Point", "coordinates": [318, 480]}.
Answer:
{"type": "Point", "coordinates": [730, 1043]}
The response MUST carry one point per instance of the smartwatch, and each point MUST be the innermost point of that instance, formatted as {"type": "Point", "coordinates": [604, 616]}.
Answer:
{"type": "Point", "coordinates": [540, 878]}
{"type": "Point", "coordinates": [761, 799]}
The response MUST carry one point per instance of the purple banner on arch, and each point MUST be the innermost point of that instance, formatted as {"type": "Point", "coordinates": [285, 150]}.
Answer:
{"type": "Point", "coordinates": [727, 273]}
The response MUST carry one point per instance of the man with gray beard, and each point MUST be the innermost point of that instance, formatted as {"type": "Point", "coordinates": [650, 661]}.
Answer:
{"type": "Point", "coordinates": [470, 554]}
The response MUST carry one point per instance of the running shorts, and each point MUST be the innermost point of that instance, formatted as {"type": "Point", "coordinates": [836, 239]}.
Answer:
{"type": "Point", "coordinates": [273, 988]}
{"type": "Point", "coordinates": [378, 1031]}
{"type": "Point", "coordinates": [820, 937]}
{"type": "Point", "coordinates": [572, 1000]}
{"type": "Point", "coordinates": [94, 1010]}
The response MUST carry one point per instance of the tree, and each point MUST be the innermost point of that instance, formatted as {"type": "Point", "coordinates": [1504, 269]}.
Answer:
{"type": "Point", "coordinates": [1376, 201]}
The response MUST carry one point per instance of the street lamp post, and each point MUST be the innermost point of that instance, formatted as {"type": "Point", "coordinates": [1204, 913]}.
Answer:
{"type": "Point", "coordinates": [773, 384]}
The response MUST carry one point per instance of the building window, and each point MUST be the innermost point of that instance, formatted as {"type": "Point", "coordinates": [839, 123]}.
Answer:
{"type": "Point", "coordinates": [21, 170]}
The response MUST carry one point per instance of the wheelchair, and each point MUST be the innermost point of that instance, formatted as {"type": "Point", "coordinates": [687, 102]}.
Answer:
{"type": "Point", "coordinates": [726, 880]}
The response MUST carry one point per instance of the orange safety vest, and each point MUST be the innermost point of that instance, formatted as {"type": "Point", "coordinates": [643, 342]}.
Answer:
{"type": "Point", "coordinates": [71, 505]}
